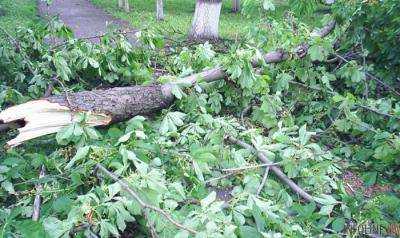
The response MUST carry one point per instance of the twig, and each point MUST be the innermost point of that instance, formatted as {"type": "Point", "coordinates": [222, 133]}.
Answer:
{"type": "Point", "coordinates": [372, 76]}
{"type": "Point", "coordinates": [377, 112]}
{"type": "Point", "coordinates": [124, 33]}
{"type": "Point", "coordinates": [263, 181]}
{"type": "Point", "coordinates": [222, 177]}
{"type": "Point", "coordinates": [277, 171]}
{"type": "Point", "coordinates": [55, 79]}
{"type": "Point", "coordinates": [245, 112]}
{"type": "Point", "coordinates": [38, 200]}
{"type": "Point", "coordinates": [357, 105]}
{"type": "Point", "coordinates": [144, 205]}
{"type": "Point", "coordinates": [249, 167]}
{"type": "Point", "coordinates": [49, 90]}
{"type": "Point", "coordinates": [150, 224]}
{"type": "Point", "coordinates": [235, 171]}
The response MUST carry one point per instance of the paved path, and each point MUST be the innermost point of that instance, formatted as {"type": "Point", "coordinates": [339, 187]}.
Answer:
{"type": "Point", "coordinates": [85, 19]}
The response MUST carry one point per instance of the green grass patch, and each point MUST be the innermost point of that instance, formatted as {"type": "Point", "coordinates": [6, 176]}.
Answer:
{"type": "Point", "coordinates": [15, 13]}
{"type": "Point", "coordinates": [178, 15]}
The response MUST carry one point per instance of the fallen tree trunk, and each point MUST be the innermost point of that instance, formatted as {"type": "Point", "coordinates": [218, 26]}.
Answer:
{"type": "Point", "coordinates": [50, 115]}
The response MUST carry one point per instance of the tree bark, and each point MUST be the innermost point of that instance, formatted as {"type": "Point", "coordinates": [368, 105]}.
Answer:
{"type": "Point", "coordinates": [126, 5]}
{"type": "Point", "coordinates": [206, 20]}
{"type": "Point", "coordinates": [120, 4]}
{"type": "Point", "coordinates": [160, 10]}
{"type": "Point", "coordinates": [235, 6]}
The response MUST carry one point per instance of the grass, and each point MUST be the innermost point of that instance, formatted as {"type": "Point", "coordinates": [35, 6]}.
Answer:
{"type": "Point", "coordinates": [178, 15]}
{"type": "Point", "coordinates": [14, 13]}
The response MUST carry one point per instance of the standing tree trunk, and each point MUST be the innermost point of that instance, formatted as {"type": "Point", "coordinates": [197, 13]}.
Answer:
{"type": "Point", "coordinates": [159, 10]}
{"type": "Point", "coordinates": [235, 5]}
{"type": "Point", "coordinates": [126, 5]}
{"type": "Point", "coordinates": [206, 20]}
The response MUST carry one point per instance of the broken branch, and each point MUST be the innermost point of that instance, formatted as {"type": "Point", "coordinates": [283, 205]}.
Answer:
{"type": "Point", "coordinates": [277, 171]}
{"type": "Point", "coordinates": [38, 200]}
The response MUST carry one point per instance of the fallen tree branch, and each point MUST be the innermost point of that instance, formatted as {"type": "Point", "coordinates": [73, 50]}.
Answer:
{"type": "Point", "coordinates": [144, 205]}
{"type": "Point", "coordinates": [275, 169]}
{"type": "Point", "coordinates": [52, 114]}
{"type": "Point", "coordinates": [249, 167]}
{"type": "Point", "coordinates": [38, 200]}
{"type": "Point", "coordinates": [263, 181]}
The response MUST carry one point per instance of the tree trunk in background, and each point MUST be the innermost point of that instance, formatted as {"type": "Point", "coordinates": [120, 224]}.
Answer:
{"type": "Point", "coordinates": [120, 4]}
{"type": "Point", "coordinates": [235, 5]}
{"type": "Point", "coordinates": [206, 20]}
{"type": "Point", "coordinates": [160, 10]}
{"type": "Point", "coordinates": [126, 5]}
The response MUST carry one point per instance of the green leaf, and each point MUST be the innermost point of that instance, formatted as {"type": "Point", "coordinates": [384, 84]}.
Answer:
{"type": "Point", "coordinates": [283, 80]}
{"type": "Point", "coordinates": [304, 136]}
{"type": "Point", "coordinates": [113, 189]}
{"type": "Point", "coordinates": [317, 53]}
{"type": "Point", "coordinates": [268, 5]}
{"type": "Point", "coordinates": [56, 228]}
{"type": "Point", "coordinates": [205, 202]}
{"type": "Point", "coordinates": [64, 135]}
{"type": "Point", "coordinates": [31, 229]}
{"type": "Point", "coordinates": [338, 224]}
{"type": "Point", "coordinates": [92, 133]}
{"type": "Point", "coordinates": [171, 121]}
{"type": "Point", "coordinates": [80, 154]}
{"type": "Point", "coordinates": [182, 234]}
{"type": "Point", "coordinates": [369, 178]}
{"type": "Point", "coordinates": [62, 204]}
{"type": "Point", "coordinates": [198, 171]}
{"type": "Point", "coordinates": [248, 231]}
{"type": "Point", "coordinates": [8, 186]}
{"type": "Point", "coordinates": [326, 210]}
{"type": "Point", "coordinates": [177, 91]}
{"type": "Point", "coordinates": [93, 63]}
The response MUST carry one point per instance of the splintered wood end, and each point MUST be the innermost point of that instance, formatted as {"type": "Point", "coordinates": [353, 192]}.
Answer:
{"type": "Point", "coordinates": [42, 117]}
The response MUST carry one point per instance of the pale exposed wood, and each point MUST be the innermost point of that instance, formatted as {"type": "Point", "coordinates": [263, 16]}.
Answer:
{"type": "Point", "coordinates": [42, 117]}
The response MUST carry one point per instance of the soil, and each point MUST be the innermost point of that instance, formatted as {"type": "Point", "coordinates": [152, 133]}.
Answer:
{"type": "Point", "coordinates": [85, 19]}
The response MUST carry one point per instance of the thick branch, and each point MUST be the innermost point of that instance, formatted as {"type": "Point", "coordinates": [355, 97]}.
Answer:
{"type": "Point", "coordinates": [275, 169]}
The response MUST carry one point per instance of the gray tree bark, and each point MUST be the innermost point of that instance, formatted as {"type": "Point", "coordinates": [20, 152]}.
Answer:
{"type": "Point", "coordinates": [119, 103]}
{"type": "Point", "coordinates": [126, 6]}
{"type": "Point", "coordinates": [160, 10]}
{"type": "Point", "coordinates": [206, 20]}
{"type": "Point", "coordinates": [235, 5]}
